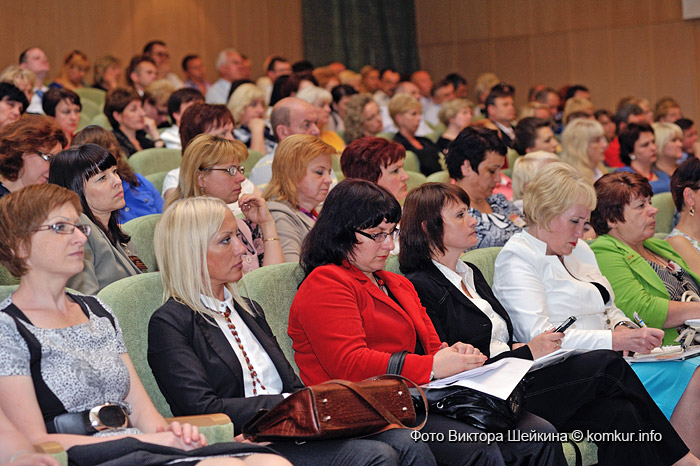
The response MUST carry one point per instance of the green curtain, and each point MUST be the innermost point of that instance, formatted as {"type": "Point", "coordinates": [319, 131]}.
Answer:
{"type": "Point", "coordinates": [361, 32]}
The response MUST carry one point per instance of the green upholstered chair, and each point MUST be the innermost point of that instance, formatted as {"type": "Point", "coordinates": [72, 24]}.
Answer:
{"type": "Point", "coordinates": [96, 96]}
{"type": "Point", "coordinates": [438, 129]}
{"type": "Point", "coordinates": [6, 278]}
{"type": "Point", "coordinates": [484, 259]}
{"type": "Point", "coordinates": [274, 287]}
{"type": "Point", "coordinates": [415, 179]}
{"type": "Point", "coordinates": [149, 161]}
{"type": "Point", "coordinates": [141, 230]}
{"type": "Point", "coordinates": [337, 170]}
{"type": "Point", "coordinates": [157, 179]}
{"type": "Point", "coordinates": [411, 162]}
{"type": "Point", "coordinates": [134, 299]}
{"type": "Point", "coordinates": [253, 157]}
{"type": "Point", "coordinates": [439, 177]}
{"type": "Point", "coordinates": [664, 217]}
{"type": "Point", "coordinates": [511, 155]}
{"type": "Point", "coordinates": [386, 135]}
{"type": "Point", "coordinates": [89, 111]}
{"type": "Point", "coordinates": [101, 120]}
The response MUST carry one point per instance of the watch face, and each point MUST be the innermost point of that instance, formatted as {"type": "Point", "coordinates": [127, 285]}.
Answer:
{"type": "Point", "coordinates": [112, 416]}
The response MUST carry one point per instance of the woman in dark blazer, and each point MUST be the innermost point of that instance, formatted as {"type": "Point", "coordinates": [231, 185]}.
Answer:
{"type": "Point", "coordinates": [595, 391]}
{"type": "Point", "coordinates": [212, 351]}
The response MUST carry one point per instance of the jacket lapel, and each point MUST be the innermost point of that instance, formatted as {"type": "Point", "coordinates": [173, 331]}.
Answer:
{"type": "Point", "coordinates": [641, 267]}
{"type": "Point", "coordinates": [219, 343]}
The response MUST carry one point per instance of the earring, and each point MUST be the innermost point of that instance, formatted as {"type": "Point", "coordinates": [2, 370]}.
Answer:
{"type": "Point", "coordinates": [691, 211]}
{"type": "Point", "coordinates": [633, 157]}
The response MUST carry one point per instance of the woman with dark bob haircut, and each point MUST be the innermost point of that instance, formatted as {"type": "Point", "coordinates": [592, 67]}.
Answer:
{"type": "Point", "coordinates": [64, 106]}
{"type": "Point", "coordinates": [91, 172]}
{"type": "Point", "coordinates": [131, 126]}
{"type": "Point", "coordinates": [349, 316]}
{"type": "Point", "coordinates": [685, 183]}
{"type": "Point", "coordinates": [26, 149]}
{"type": "Point", "coordinates": [377, 160]}
{"type": "Point", "coordinates": [435, 230]}
{"type": "Point", "coordinates": [638, 152]}
{"type": "Point", "coordinates": [533, 134]}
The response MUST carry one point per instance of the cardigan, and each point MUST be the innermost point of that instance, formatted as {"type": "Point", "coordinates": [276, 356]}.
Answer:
{"type": "Point", "coordinates": [637, 287]}
{"type": "Point", "coordinates": [456, 317]}
{"type": "Point", "coordinates": [292, 226]}
{"type": "Point", "coordinates": [103, 262]}
{"type": "Point", "coordinates": [343, 326]}
{"type": "Point", "coordinates": [197, 370]}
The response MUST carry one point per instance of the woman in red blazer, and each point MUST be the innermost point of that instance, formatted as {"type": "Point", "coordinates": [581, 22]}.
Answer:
{"type": "Point", "coordinates": [349, 317]}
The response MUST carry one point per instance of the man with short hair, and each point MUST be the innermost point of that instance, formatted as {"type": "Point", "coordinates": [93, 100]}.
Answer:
{"type": "Point", "coordinates": [141, 72]}
{"type": "Point", "coordinates": [442, 92]}
{"type": "Point", "coordinates": [289, 116]}
{"type": "Point", "coordinates": [13, 103]}
{"type": "Point", "coordinates": [370, 79]}
{"type": "Point", "coordinates": [500, 109]}
{"type": "Point", "coordinates": [276, 66]}
{"type": "Point", "coordinates": [195, 73]}
{"type": "Point", "coordinates": [177, 104]}
{"type": "Point", "coordinates": [157, 51]}
{"type": "Point", "coordinates": [690, 137]}
{"type": "Point", "coordinates": [35, 60]}
{"type": "Point", "coordinates": [231, 67]}
{"type": "Point", "coordinates": [626, 114]}
{"type": "Point", "coordinates": [388, 81]}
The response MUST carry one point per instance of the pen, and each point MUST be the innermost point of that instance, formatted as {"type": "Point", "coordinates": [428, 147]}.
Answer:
{"type": "Point", "coordinates": [639, 320]}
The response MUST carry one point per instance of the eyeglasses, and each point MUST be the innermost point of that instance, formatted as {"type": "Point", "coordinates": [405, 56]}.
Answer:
{"type": "Point", "coordinates": [46, 157]}
{"type": "Point", "coordinates": [232, 170]}
{"type": "Point", "coordinates": [380, 237]}
{"type": "Point", "coordinates": [65, 228]}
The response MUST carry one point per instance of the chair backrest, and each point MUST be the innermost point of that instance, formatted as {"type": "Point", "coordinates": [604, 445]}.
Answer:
{"type": "Point", "coordinates": [411, 162]}
{"type": "Point", "coordinates": [511, 155]}
{"type": "Point", "coordinates": [484, 259]}
{"type": "Point", "coordinates": [439, 177]}
{"type": "Point", "coordinates": [6, 290]}
{"type": "Point", "coordinates": [386, 135]}
{"type": "Point", "coordinates": [274, 287]}
{"type": "Point", "coordinates": [141, 230]}
{"type": "Point", "coordinates": [134, 299]}
{"type": "Point", "coordinates": [664, 217]}
{"type": "Point", "coordinates": [149, 161]}
{"type": "Point", "coordinates": [415, 179]}
{"type": "Point", "coordinates": [89, 111]}
{"type": "Point", "coordinates": [335, 162]}
{"type": "Point", "coordinates": [102, 121]}
{"type": "Point", "coordinates": [6, 278]}
{"type": "Point", "coordinates": [157, 179]}
{"type": "Point", "coordinates": [253, 157]}
{"type": "Point", "coordinates": [438, 129]}
{"type": "Point", "coordinates": [96, 96]}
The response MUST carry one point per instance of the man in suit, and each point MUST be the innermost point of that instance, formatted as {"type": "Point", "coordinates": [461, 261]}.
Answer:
{"type": "Point", "coordinates": [500, 109]}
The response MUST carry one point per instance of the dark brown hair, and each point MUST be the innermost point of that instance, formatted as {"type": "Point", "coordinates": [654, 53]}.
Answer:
{"type": "Point", "coordinates": [28, 134]}
{"type": "Point", "coordinates": [615, 191]}
{"type": "Point", "coordinates": [199, 118]}
{"type": "Point", "coordinates": [365, 157]}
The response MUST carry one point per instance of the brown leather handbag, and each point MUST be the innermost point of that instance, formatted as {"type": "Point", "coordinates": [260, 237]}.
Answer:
{"type": "Point", "coordinates": [338, 409]}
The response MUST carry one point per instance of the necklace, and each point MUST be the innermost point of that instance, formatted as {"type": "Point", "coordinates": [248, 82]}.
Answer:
{"type": "Point", "coordinates": [253, 373]}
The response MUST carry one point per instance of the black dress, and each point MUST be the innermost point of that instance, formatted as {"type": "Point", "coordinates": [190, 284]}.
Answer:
{"type": "Point", "coordinates": [428, 156]}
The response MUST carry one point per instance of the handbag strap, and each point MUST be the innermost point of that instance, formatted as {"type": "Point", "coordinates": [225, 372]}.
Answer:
{"type": "Point", "coordinates": [378, 407]}
{"type": "Point", "coordinates": [396, 363]}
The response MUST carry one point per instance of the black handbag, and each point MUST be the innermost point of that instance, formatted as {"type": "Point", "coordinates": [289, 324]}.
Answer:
{"type": "Point", "coordinates": [478, 409]}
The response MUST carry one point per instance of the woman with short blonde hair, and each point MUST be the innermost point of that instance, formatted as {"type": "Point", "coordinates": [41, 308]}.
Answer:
{"type": "Point", "coordinates": [583, 147]}
{"type": "Point", "coordinates": [248, 107]}
{"type": "Point", "coordinates": [211, 166]}
{"type": "Point", "coordinates": [301, 178]}
{"type": "Point", "coordinates": [455, 114]}
{"type": "Point", "coordinates": [669, 144]}
{"type": "Point", "coordinates": [405, 110]}
{"type": "Point", "coordinates": [22, 78]}
{"type": "Point", "coordinates": [525, 169]}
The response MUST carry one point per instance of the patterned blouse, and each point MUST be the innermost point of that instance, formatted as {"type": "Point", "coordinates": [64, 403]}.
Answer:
{"type": "Point", "coordinates": [677, 232]}
{"type": "Point", "coordinates": [676, 280]}
{"type": "Point", "coordinates": [242, 133]}
{"type": "Point", "coordinates": [496, 228]}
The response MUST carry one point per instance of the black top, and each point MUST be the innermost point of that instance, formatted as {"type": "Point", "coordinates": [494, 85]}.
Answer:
{"type": "Point", "coordinates": [127, 146]}
{"type": "Point", "coordinates": [455, 317]}
{"type": "Point", "coordinates": [3, 190]}
{"type": "Point", "coordinates": [428, 156]}
{"type": "Point", "coordinates": [197, 370]}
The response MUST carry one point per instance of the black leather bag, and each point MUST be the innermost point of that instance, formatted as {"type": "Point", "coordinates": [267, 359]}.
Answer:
{"type": "Point", "coordinates": [478, 409]}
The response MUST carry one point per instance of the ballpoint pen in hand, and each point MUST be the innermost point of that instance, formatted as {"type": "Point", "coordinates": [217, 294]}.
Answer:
{"type": "Point", "coordinates": [638, 320]}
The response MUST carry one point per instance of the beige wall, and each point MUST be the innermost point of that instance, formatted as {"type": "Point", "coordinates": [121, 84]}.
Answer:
{"type": "Point", "coordinates": [615, 47]}
{"type": "Point", "coordinates": [122, 27]}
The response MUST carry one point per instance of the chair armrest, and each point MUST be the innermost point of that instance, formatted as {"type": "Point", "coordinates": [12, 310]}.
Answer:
{"type": "Point", "coordinates": [48, 447]}
{"type": "Point", "coordinates": [216, 427]}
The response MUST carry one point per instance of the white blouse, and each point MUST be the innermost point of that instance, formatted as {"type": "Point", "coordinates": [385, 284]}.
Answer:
{"type": "Point", "coordinates": [499, 328]}
{"type": "Point", "coordinates": [266, 370]}
{"type": "Point", "coordinates": [540, 293]}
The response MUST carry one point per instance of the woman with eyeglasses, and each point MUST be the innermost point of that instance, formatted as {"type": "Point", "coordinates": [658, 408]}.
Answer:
{"type": "Point", "coordinates": [350, 318]}
{"type": "Point", "coordinates": [211, 166]}
{"type": "Point", "coordinates": [26, 148]}
{"type": "Point", "coordinates": [301, 178]}
{"type": "Point", "coordinates": [91, 172]}
{"type": "Point", "coordinates": [62, 355]}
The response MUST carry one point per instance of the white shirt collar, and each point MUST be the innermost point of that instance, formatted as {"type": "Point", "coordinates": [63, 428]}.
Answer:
{"type": "Point", "coordinates": [464, 272]}
{"type": "Point", "coordinates": [218, 306]}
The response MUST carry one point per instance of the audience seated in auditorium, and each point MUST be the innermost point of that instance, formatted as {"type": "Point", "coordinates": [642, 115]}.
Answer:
{"type": "Point", "coordinates": [638, 152]}
{"type": "Point", "coordinates": [667, 109]}
{"type": "Point", "coordinates": [26, 150]}
{"type": "Point", "coordinates": [605, 118]}
{"type": "Point", "coordinates": [63, 105]}
{"type": "Point", "coordinates": [388, 81]}
{"type": "Point", "coordinates": [108, 73]}
{"type": "Point", "coordinates": [370, 79]}
{"type": "Point", "coordinates": [669, 147]}
{"type": "Point", "coordinates": [22, 78]}
{"type": "Point", "coordinates": [321, 99]}
{"type": "Point", "coordinates": [362, 117]}
{"type": "Point", "coordinates": [524, 170]}
{"type": "Point", "coordinates": [178, 102]}
{"type": "Point", "coordinates": [155, 101]}
{"type": "Point", "coordinates": [442, 92]}
{"type": "Point", "coordinates": [625, 114]}
{"type": "Point", "coordinates": [482, 88]}
{"type": "Point", "coordinates": [685, 236]}
{"type": "Point", "coordinates": [301, 177]}
{"type": "Point", "coordinates": [690, 137]}
{"type": "Point", "coordinates": [533, 134]}
{"type": "Point", "coordinates": [157, 51]}
{"type": "Point", "coordinates": [500, 109]}
{"type": "Point", "coordinates": [405, 111]}
{"type": "Point", "coordinates": [341, 95]}
{"type": "Point", "coordinates": [141, 72]}
{"type": "Point", "coordinates": [75, 68]}
{"type": "Point", "coordinates": [13, 104]}
{"type": "Point", "coordinates": [583, 147]}
{"type": "Point", "coordinates": [247, 105]}
{"type": "Point", "coordinates": [35, 60]}
{"type": "Point", "coordinates": [195, 73]}
{"type": "Point", "coordinates": [455, 114]}
{"type": "Point", "coordinates": [230, 67]}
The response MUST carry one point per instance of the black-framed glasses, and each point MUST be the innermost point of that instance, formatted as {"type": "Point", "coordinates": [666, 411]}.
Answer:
{"type": "Point", "coordinates": [380, 237]}
{"type": "Point", "coordinates": [65, 228]}
{"type": "Point", "coordinates": [46, 157]}
{"type": "Point", "coordinates": [232, 170]}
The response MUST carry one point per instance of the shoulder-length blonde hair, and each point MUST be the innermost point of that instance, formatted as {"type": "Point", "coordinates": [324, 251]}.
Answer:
{"type": "Point", "coordinates": [181, 239]}
{"type": "Point", "coordinates": [292, 157]}
{"type": "Point", "coordinates": [205, 151]}
{"type": "Point", "coordinates": [242, 97]}
{"type": "Point", "coordinates": [575, 139]}
{"type": "Point", "coordinates": [553, 190]}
